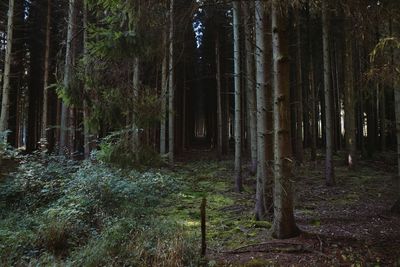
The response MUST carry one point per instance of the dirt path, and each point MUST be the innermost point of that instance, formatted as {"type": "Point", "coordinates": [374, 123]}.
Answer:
{"type": "Point", "coordinates": [349, 224]}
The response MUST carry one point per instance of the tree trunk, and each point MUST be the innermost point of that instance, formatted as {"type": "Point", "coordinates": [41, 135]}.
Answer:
{"type": "Point", "coordinates": [397, 111]}
{"type": "Point", "coordinates": [5, 103]}
{"type": "Point", "coordinates": [238, 110]}
{"type": "Point", "coordinates": [171, 112]}
{"type": "Point", "coordinates": [67, 78]}
{"type": "Point", "coordinates": [219, 102]}
{"type": "Point", "coordinates": [299, 95]}
{"type": "Point", "coordinates": [136, 85]}
{"type": "Point", "coordinates": [329, 172]}
{"type": "Point", "coordinates": [260, 58]}
{"type": "Point", "coordinates": [44, 138]}
{"type": "Point", "coordinates": [164, 91]}
{"type": "Point", "coordinates": [349, 108]}
{"type": "Point", "coordinates": [284, 225]}
{"type": "Point", "coordinates": [86, 132]}
{"type": "Point", "coordinates": [250, 88]}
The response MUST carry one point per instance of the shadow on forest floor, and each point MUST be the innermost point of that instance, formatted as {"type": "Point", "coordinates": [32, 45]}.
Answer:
{"type": "Point", "coordinates": [348, 224]}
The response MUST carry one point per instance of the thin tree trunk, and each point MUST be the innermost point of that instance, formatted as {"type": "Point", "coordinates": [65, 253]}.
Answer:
{"type": "Point", "coordinates": [164, 91]}
{"type": "Point", "coordinates": [5, 103]}
{"type": "Point", "coordinates": [238, 110]}
{"type": "Point", "coordinates": [260, 58]}
{"type": "Point", "coordinates": [250, 86]}
{"type": "Point", "coordinates": [219, 103]}
{"type": "Point", "coordinates": [350, 123]}
{"type": "Point", "coordinates": [171, 112]}
{"type": "Point", "coordinates": [136, 85]}
{"type": "Point", "coordinates": [299, 95]}
{"type": "Point", "coordinates": [284, 225]}
{"type": "Point", "coordinates": [46, 78]}
{"type": "Point", "coordinates": [329, 171]}
{"type": "Point", "coordinates": [67, 78]}
{"type": "Point", "coordinates": [382, 119]}
{"type": "Point", "coordinates": [86, 131]}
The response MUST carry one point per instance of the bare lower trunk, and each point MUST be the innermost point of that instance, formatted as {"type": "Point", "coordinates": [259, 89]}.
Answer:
{"type": "Point", "coordinates": [397, 110]}
{"type": "Point", "coordinates": [284, 225]}
{"type": "Point", "coordinates": [219, 103]}
{"type": "Point", "coordinates": [350, 123]}
{"type": "Point", "coordinates": [67, 80]}
{"type": "Point", "coordinates": [136, 85]}
{"type": "Point", "coordinates": [164, 91]}
{"type": "Point", "coordinates": [5, 103]}
{"type": "Point", "coordinates": [299, 96]}
{"type": "Point", "coordinates": [329, 172]}
{"type": "Point", "coordinates": [44, 138]}
{"type": "Point", "coordinates": [171, 114]}
{"type": "Point", "coordinates": [261, 126]}
{"type": "Point", "coordinates": [238, 112]}
{"type": "Point", "coordinates": [250, 85]}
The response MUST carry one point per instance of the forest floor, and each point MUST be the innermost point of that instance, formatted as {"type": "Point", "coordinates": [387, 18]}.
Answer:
{"type": "Point", "coordinates": [349, 224]}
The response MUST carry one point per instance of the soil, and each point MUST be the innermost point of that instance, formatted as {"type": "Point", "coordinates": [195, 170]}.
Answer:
{"type": "Point", "coordinates": [349, 224]}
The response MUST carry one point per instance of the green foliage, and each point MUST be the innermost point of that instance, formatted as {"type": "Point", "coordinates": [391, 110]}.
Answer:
{"type": "Point", "coordinates": [117, 149]}
{"type": "Point", "coordinates": [54, 211]}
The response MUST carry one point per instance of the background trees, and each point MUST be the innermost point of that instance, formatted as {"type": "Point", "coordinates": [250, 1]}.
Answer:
{"type": "Point", "coordinates": [117, 73]}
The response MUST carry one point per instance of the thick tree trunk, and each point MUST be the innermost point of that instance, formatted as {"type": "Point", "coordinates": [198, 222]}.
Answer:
{"type": "Point", "coordinates": [284, 225]}
{"type": "Point", "coordinates": [238, 110]}
{"type": "Point", "coordinates": [67, 79]}
{"type": "Point", "coordinates": [329, 171]}
{"type": "Point", "coordinates": [260, 29]}
{"type": "Point", "coordinates": [5, 103]}
{"type": "Point", "coordinates": [250, 86]}
{"type": "Point", "coordinates": [219, 101]}
{"type": "Point", "coordinates": [164, 91]}
{"type": "Point", "coordinates": [171, 110]}
{"type": "Point", "coordinates": [349, 122]}
{"type": "Point", "coordinates": [45, 103]}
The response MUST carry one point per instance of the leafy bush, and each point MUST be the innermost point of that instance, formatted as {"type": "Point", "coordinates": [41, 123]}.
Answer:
{"type": "Point", "coordinates": [56, 211]}
{"type": "Point", "coordinates": [117, 149]}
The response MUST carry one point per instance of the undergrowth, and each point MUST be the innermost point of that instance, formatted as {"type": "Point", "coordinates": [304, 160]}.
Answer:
{"type": "Point", "coordinates": [55, 211]}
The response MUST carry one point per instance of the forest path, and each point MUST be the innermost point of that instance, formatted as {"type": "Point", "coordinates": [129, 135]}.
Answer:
{"type": "Point", "coordinates": [342, 225]}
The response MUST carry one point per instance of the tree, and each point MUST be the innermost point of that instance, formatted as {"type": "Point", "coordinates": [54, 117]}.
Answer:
{"type": "Point", "coordinates": [349, 107]}
{"type": "Point", "coordinates": [284, 225]}
{"type": "Point", "coordinates": [46, 77]}
{"type": "Point", "coordinates": [164, 91]}
{"type": "Point", "coordinates": [171, 88]}
{"type": "Point", "coordinates": [329, 171]}
{"type": "Point", "coordinates": [248, 9]}
{"type": "Point", "coordinates": [5, 103]}
{"type": "Point", "coordinates": [67, 76]}
{"type": "Point", "coordinates": [238, 96]}
{"type": "Point", "coordinates": [260, 56]}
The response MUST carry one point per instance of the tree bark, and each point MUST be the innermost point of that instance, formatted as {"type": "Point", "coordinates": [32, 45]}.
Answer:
{"type": "Point", "coordinates": [349, 108]}
{"type": "Point", "coordinates": [299, 95]}
{"type": "Point", "coordinates": [46, 78]}
{"type": "Point", "coordinates": [329, 171]}
{"type": "Point", "coordinates": [135, 127]}
{"type": "Point", "coordinates": [164, 91]}
{"type": "Point", "coordinates": [260, 58]}
{"type": "Point", "coordinates": [67, 79]}
{"type": "Point", "coordinates": [250, 86]}
{"type": "Point", "coordinates": [284, 225]}
{"type": "Point", "coordinates": [171, 110]}
{"type": "Point", "coordinates": [219, 101]}
{"type": "Point", "coordinates": [5, 103]}
{"type": "Point", "coordinates": [238, 110]}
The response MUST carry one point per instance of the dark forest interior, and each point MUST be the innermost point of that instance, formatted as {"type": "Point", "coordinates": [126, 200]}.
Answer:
{"type": "Point", "coordinates": [199, 133]}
